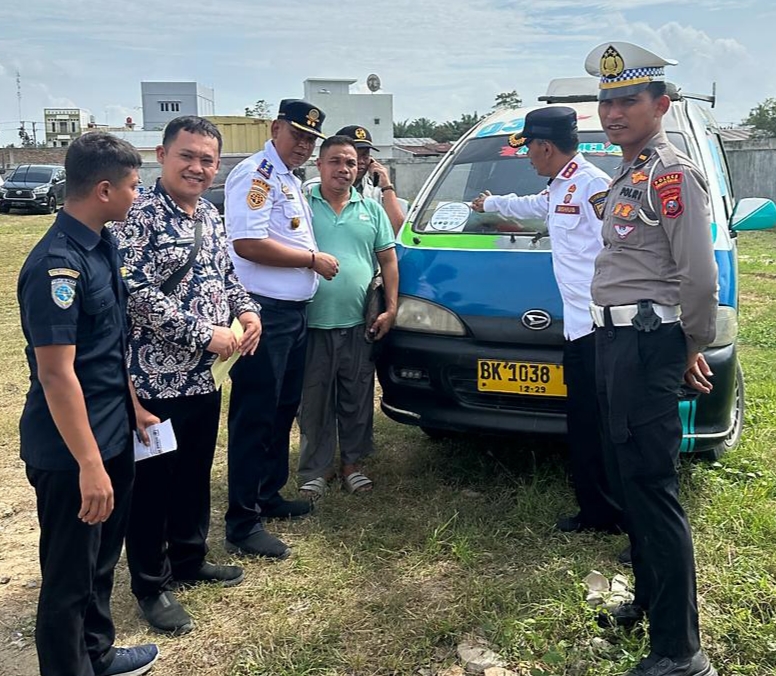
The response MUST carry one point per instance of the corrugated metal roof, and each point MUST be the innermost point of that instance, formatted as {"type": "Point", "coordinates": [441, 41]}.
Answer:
{"type": "Point", "coordinates": [736, 134]}
{"type": "Point", "coordinates": [414, 141]}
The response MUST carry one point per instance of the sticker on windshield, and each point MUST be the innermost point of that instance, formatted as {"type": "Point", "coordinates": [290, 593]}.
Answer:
{"type": "Point", "coordinates": [451, 216]}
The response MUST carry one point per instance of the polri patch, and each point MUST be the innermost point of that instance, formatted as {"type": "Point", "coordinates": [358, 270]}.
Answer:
{"type": "Point", "coordinates": [64, 272]}
{"type": "Point", "coordinates": [570, 169]}
{"type": "Point", "coordinates": [598, 202]}
{"type": "Point", "coordinates": [632, 193]}
{"type": "Point", "coordinates": [671, 199]}
{"type": "Point", "coordinates": [567, 209]}
{"type": "Point", "coordinates": [623, 230]}
{"type": "Point", "coordinates": [63, 292]}
{"type": "Point", "coordinates": [265, 168]}
{"type": "Point", "coordinates": [662, 182]}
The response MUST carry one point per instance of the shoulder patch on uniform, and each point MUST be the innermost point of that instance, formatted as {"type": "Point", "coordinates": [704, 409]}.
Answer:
{"type": "Point", "coordinates": [598, 201]}
{"type": "Point", "coordinates": [258, 184]}
{"type": "Point", "coordinates": [643, 158]}
{"type": "Point", "coordinates": [638, 177]}
{"type": "Point", "coordinates": [63, 292]}
{"type": "Point", "coordinates": [662, 182]}
{"type": "Point", "coordinates": [671, 200]}
{"type": "Point", "coordinates": [64, 272]}
{"type": "Point", "coordinates": [265, 168]}
{"type": "Point", "coordinates": [567, 209]}
{"type": "Point", "coordinates": [256, 198]}
{"type": "Point", "coordinates": [568, 172]}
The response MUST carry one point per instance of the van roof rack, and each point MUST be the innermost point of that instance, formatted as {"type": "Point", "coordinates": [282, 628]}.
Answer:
{"type": "Point", "coordinates": [580, 89]}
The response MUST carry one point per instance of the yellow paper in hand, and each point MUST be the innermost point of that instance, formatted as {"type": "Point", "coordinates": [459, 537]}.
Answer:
{"type": "Point", "coordinates": [221, 367]}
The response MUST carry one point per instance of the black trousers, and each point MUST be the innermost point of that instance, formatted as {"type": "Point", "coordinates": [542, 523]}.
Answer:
{"type": "Point", "coordinates": [597, 506]}
{"type": "Point", "coordinates": [266, 391]}
{"type": "Point", "coordinates": [170, 517]}
{"type": "Point", "coordinates": [74, 630]}
{"type": "Point", "coordinates": [639, 375]}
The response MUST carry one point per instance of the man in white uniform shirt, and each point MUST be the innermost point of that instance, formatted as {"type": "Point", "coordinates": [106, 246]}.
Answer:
{"type": "Point", "coordinates": [572, 205]}
{"type": "Point", "coordinates": [277, 261]}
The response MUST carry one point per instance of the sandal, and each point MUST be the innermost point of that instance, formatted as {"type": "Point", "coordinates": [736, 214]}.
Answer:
{"type": "Point", "coordinates": [357, 483]}
{"type": "Point", "coordinates": [314, 489]}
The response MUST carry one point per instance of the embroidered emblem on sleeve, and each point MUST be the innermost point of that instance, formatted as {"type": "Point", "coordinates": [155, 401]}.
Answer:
{"type": "Point", "coordinates": [598, 202]}
{"type": "Point", "coordinates": [256, 198]}
{"type": "Point", "coordinates": [671, 199]}
{"type": "Point", "coordinates": [666, 180]}
{"type": "Point", "coordinates": [265, 168]}
{"type": "Point", "coordinates": [64, 272]}
{"type": "Point", "coordinates": [63, 292]}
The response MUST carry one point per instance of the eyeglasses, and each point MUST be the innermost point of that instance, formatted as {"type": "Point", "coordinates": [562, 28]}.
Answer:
{"type": "Point", "coordinates": [301, 138]}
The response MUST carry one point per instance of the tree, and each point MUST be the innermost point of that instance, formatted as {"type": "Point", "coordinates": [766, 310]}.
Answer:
{"type": "Point", "coordinates": [763, 118]}
{"type": "Point", "coordinates": [506, 100]}
{"type": "Point", "coordinates": [261, 110]}
{"type": "Point", "coordinates": [400, 129]}
{"type": "Point", "coordinates": [453, 130]}
{"type": "Point", "coordinates": [422, 127]}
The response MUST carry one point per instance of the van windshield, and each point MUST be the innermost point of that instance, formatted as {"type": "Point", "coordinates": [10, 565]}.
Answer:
{"type": "Point", "coordinates": [490, 163]}
{"type": "Point", "coordinates": [30, 175]}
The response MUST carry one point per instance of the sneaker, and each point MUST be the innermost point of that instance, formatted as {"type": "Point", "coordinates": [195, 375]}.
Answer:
{"type": "Point", "coordinates": [260, 543]}
{"type": "Point", "coordinates": [228, 576]}
{"type": "Point", "coordinates": [132, 661]}
{"type": "Point", "coordinates": [286, 509]}
{"type": "Point", "coordinates": [165, 614]}
{"type": "Point", "coordinates": [626, 615]}
{"type": "Point", "coordinates": [655, 665]}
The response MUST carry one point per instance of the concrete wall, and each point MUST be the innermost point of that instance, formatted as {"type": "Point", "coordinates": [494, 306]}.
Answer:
{"type": "Point", "coordinates": [753, 166]}
{"type": "Point", "coordinates": [10, 157]}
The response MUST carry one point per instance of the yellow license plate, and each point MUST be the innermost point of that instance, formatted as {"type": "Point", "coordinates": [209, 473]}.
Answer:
{"type": "Point", "coordinates": [519, 377]}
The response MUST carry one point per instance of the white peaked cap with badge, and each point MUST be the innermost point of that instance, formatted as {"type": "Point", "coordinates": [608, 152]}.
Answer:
{"type": "Point", "coordinates": [625, 69]}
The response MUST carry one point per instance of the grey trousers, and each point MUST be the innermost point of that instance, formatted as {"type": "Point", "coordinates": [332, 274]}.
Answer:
{"type": "Point", "coordinates": [337, 401]}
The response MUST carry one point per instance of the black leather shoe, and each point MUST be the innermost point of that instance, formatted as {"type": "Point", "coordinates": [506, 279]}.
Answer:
{"type": "Point", "coordinates": [626, 615]}
{"type": "Point", "coordinates": [260, 543]}
{"type": "Point", "coordinates": [165, 614]}
{"type": "Point", "coordinates": [286, 509]}
{"type": "Point", "coordinates": [655, 665]}
{"type": "Point", "coordinates": [624, 557]}
{"type": "Point", "coordinates": [228, 576]}
{"type": "Point", "coordinates": [575, 524]}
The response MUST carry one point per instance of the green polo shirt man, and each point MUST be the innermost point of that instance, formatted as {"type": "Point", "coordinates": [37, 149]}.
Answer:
{"type": "Point", "coordinates": [338, 391]}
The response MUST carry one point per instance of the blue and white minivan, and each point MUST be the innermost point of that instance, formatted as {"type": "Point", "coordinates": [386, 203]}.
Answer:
{"type": "Point", "coordinates": [478, 341]}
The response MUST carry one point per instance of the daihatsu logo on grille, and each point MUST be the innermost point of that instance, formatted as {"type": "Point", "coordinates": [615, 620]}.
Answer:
{"type": "Point", "coordinates": [536, 320]}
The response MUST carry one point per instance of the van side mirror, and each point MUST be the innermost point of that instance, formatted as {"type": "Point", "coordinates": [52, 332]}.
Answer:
{"type": "Point", "coordinates": [753, 213]}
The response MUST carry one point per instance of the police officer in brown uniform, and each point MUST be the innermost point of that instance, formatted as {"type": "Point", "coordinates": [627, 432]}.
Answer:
{"type": "Point", "coordinates": [654, 305]}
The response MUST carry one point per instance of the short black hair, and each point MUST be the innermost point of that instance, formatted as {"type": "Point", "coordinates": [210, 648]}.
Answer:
{"type": "Point", "coordinates": [98, 156]}
{"type": "Point", "coordinates": [194, 125]}
{"type": "Point", "coordinates": [568, 146]}
{"type": "Point", "coordinates": [340, 140]}
{"type": "Point", "coordinates": [656, 89]}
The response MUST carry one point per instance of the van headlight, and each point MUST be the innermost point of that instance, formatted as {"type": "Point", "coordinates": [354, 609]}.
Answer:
{"type": "Point", "coordinates": [727, 326]}
{"type": "Point", "coordinates": [415, 314]}
{"type": "Point", "coordinates": [41, 189]}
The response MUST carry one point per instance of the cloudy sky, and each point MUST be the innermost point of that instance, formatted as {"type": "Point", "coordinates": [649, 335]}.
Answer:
{"type": "Point", "coordinates": [438, 58]}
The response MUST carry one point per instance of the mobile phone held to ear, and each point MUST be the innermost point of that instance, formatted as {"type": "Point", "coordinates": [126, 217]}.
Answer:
{"type": "Point", "coordinates": [375, 179]}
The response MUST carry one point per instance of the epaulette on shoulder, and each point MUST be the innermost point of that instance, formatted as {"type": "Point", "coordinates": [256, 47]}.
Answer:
{"type": "Point", "coordinates": [643, 157]}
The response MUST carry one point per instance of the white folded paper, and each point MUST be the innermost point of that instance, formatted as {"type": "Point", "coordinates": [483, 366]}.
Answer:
{"type": "Point", "coordinates": [162, 440]}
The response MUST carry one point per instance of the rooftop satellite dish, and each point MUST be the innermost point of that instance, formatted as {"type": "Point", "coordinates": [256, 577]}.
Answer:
{"type": "Point", "coordinates": [373, 83]}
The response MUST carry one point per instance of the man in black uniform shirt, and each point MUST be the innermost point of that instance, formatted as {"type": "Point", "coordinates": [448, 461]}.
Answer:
{"type": "Point", "coordinates": [76, 424]}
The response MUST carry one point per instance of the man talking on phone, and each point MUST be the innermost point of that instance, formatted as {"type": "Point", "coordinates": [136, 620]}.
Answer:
{"type": "Point", "coordinates": [372, 178]}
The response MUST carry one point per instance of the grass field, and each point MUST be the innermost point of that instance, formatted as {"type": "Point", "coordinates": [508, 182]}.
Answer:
{"type": "Point", "coordinates": [455, 540]}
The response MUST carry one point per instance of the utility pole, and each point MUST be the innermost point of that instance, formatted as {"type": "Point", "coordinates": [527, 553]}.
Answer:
{"type": "Point", "coordinates": [19, 94]}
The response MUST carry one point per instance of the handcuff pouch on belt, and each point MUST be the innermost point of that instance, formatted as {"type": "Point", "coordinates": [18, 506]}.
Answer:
{"type": "Point", "coordinates": [646, 319]}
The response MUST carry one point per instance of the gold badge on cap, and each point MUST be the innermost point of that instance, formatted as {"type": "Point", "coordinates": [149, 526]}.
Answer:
{"type": "Point", "coordinates": [360, 133]}
{"type": "Point", "coordinates": [313, 116]}
{"type": "Point", "coordinates": [515, 141]}
{"type": "Point", "coordinates": [612, 64]}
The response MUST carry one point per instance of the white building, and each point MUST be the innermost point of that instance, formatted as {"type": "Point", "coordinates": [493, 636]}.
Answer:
{"type": "Point", "coordinates": [373, 110]}
{"type": "Point", "coordinates": [163, 101]}
{"type": "Point", "coordinates": [64, 125]}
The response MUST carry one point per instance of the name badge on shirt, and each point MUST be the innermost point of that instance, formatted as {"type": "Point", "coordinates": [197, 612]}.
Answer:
{"type": "Point", "coordinates": [287, 192]}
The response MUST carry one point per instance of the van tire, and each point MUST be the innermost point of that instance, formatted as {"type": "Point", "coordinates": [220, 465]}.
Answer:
{"type": "Point", "coordinates": [732, 439]}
